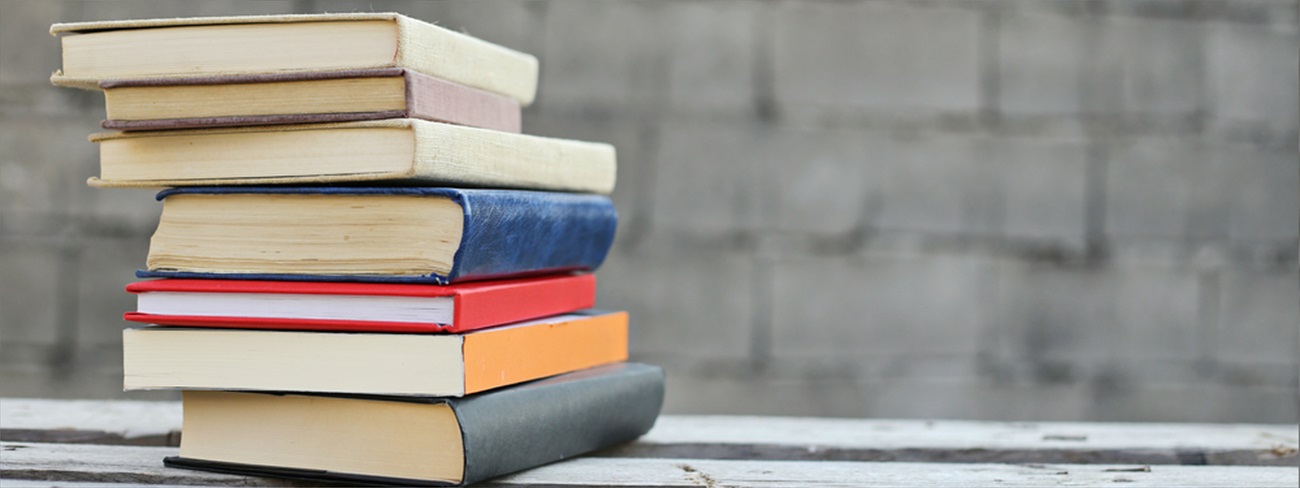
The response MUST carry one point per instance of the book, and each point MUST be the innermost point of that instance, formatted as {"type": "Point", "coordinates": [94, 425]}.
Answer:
{"type": "Point", "coordinates": [358, 307]}
{"type": "Point", "coordinates": [442, 440]}
{"type": "Point", "coordinates": [301, 98]}
{"type": "Point", "coordinates": [403, 151]}
{"type": "Point", "coordinates": [160, 357]}
{"type": "Point", "coordinates": [185, 47]}
{"type": "Point", "coordinates": [428, 235]}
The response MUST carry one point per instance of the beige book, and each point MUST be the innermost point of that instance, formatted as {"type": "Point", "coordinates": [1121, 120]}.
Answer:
{"type": "Point", "coordinates": [367, 363]}
{"type": "Point", "coordinates": [187, 47]}
{"type": "Point", "coordinates": [397, 150]}
{"type": "Point", "coordinates": [333, 435]}
{"type": "Point", "coordinates": [310, 97]}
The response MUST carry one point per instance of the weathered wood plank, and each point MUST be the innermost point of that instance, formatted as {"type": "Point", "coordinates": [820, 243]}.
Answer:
{"type": "Point", "coordinates": [732, 473]}
{"type": "Point", "coordinates": [109, 464]}
{"type": "Point", "coordinates": [90, 421]}
{"type": "Point", "coordinates": [12, 483]}
{"type": "Point", "coordinates": [142, 465]}
{"type": "Point", "coordinates": [777, 438]}
{"type": "Point", "coordinates": [789, 438]}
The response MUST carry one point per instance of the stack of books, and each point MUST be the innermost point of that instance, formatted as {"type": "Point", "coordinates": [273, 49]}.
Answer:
{"type": "Point", "coordinates": [363, 271]}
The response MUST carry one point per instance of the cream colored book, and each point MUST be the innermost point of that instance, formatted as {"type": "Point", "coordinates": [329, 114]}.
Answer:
{"type": "Point", "coordinates": [187, 47]}
{"type": "Point", "coordinates": [408, 151]}
{"type": "Point", "coordinates": [370, 363]}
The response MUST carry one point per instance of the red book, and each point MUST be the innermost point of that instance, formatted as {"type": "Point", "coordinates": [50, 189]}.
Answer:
{"type": "Point", "coordinates": [358, 307]}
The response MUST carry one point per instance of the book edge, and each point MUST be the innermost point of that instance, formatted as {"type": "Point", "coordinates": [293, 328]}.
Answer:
{"type": "Point", "coordinates": [293, 473]}
{"type": "Point", "coordinates": [105, 25]}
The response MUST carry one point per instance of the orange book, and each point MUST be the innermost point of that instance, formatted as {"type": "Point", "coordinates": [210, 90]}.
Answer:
{"type": "Point", "coordinates": [370, 363]}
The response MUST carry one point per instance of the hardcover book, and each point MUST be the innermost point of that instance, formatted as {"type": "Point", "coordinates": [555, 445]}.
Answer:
{"type": "Point", "coordinates": [301, 98]}
{"type": "Point", "coordinates": [370, 363]}
{"type": "Point", "coordinates": [256, 44]}
{"type": "Point", "coordinates": [358, 307]}
{"type": "Point", "coordinates": [429, 235]}
{"type": "Point", "coordinates": [443, 441]}
{"type": "Point", "coordinates": [404, 151]}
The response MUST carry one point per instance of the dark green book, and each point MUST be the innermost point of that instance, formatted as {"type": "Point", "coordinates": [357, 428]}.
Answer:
{"type": "Point", "coordinates": [430, 441]}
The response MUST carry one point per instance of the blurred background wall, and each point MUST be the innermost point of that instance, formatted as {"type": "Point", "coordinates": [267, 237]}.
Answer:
{"type": "Point", "coordinates": [1071, 210]}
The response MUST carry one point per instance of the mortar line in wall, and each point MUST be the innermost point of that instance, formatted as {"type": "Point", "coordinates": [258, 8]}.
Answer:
{"type": "Point", "coordinates": [1208, 295]}
{"type": "Point", "coordinates": [763, 290]}
{"type": "Point", "coordinates": [990, 82]}
{"type": "Point", "coordinates": [63, 358]}
{"type": "Point", "coordinates": [763, 74]}
{"type": "Point", "coordinates": [638, 225]}
{"type": "Point", "coordinates": [1095, 189]}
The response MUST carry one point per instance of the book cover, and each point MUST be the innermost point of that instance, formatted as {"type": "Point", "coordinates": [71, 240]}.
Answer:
{"type": "Point", "coordinates": [301, 98]}
{"type": "Point", "coordinates": [395, 151]}
{"type": "Point", "coordinates": [159, 357]}
{"type": "Point", "coordinates": [505, 233]}
{"type": "Point", "coordinates": [314, 305]}
{"type": "Point", "coordinates": [183, 47]}
{"type": "Point", "coordinates": [501, 432]}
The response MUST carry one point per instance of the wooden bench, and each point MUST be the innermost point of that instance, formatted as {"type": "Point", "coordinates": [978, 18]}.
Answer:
{"type": "Point", "coordinates": [122, 443]}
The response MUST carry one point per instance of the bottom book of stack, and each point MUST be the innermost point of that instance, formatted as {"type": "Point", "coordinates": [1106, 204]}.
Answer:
{"type": "Point", "coordinates": [432, 441]}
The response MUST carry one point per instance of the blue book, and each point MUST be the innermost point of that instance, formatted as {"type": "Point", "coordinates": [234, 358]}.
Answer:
{"type": "Point", "coordinates": [391, 234]}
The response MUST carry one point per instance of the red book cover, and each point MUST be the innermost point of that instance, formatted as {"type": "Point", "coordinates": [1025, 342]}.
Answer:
{"type": "Point", "coordinates": [475, 305]}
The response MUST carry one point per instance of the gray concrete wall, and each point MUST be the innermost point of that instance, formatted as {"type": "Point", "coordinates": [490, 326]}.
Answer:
{"type": "Point", "coordinates": [961, 209]}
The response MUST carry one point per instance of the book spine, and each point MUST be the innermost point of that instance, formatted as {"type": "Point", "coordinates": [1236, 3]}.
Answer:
{"type": "Point", "coordinates": [453, 155]}
{"type": "Point", "coordinates": [537, 423]}
{"type": "Point", "coordinates": [485, 307]}
{"type": "Point", "coordinates": [515, 233]}
{"type": "Point", "coordinates": [434, 99]}
{"type": "Point", "coordinates": [466, 60]}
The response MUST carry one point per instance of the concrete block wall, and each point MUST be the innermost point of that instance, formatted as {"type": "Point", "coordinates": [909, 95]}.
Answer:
{"type": "Point", "coordinates": [984, 209]}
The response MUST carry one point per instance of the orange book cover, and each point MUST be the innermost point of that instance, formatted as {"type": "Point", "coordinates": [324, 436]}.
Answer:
{"type": "Point", "coordinates": [500, 357]}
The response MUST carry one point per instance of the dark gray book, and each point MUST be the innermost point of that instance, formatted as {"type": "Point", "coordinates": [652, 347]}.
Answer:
{"type": "Point", "coordinates": [430, 441]}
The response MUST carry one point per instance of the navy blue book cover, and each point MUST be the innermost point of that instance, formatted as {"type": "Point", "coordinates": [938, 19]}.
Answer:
{"type": "Point", "coordinates": [506, 233]}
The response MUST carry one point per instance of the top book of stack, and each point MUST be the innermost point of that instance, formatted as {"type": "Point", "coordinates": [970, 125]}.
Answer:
{"type": "Point", "coordinates": [94, 52]}
{"type": "Point", "coordinates": [234, 79]}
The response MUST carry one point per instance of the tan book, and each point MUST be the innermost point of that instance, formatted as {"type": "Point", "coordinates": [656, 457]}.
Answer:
{"type": "Point", "coordinates": [418, 441]}
{"type": "Point", "coordinates": [301, 98]}
{"type": "Point", "coordinates": [187, 47]}
{"type": "Point", "coordinates": [408, 151]}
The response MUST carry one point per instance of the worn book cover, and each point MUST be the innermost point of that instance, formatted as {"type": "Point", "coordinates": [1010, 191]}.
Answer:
{"type": "Point", "coordinates": [301, 98]}
{"type": "Point", "coordinates": [391, 151]}
{"type": "Point", "coordinates": [237, 45]}
{"type": "Point", "coordinates": [388, 234]}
